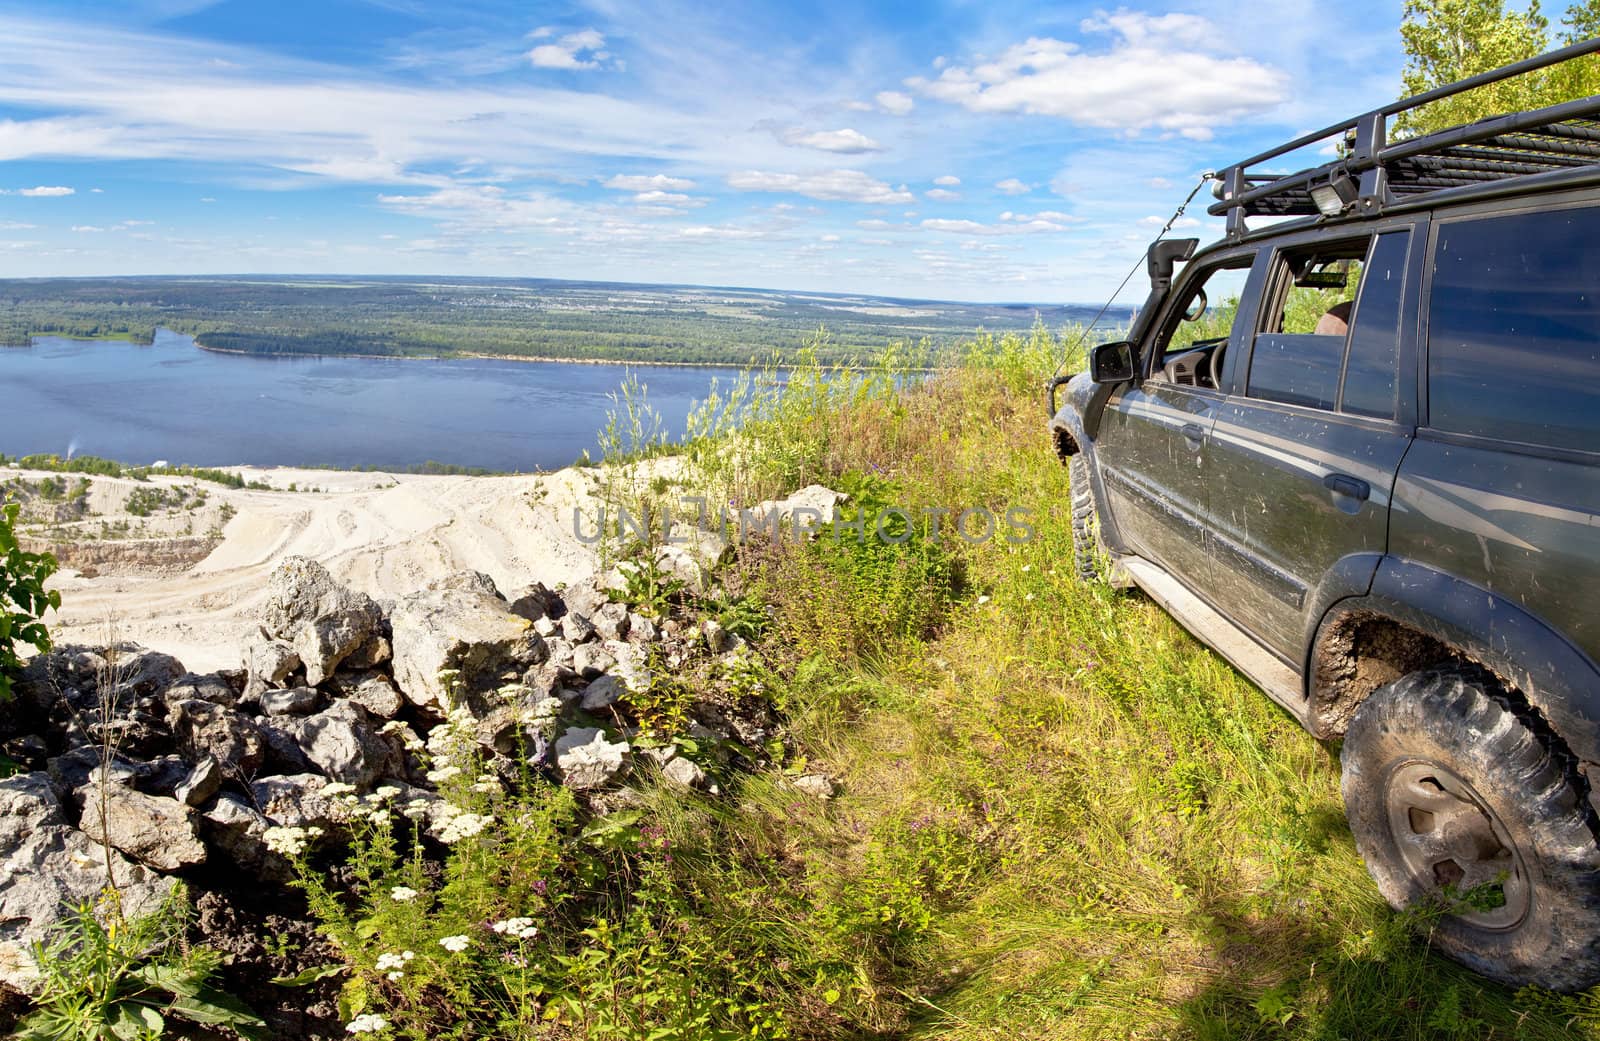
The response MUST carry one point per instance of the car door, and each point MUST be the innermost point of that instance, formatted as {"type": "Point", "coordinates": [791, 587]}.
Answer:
{"type": "Point", "coordinates": [1305, 447]}
{"type": "Point", "coordinates": [1151, 448]}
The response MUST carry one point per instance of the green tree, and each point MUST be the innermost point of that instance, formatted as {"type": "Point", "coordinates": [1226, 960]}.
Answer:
{"type": "Point", "coordinates": [23, 599]}
{"type": "Point", "coordinates": [1449, 40]}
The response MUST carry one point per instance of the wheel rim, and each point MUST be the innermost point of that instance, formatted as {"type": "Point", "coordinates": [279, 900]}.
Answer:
{"type": "Point", "coordinates": [1451, 841]}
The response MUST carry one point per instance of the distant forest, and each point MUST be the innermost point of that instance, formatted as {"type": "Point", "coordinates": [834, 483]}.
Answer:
{"type": "Point", "coordinates": [409, 317]}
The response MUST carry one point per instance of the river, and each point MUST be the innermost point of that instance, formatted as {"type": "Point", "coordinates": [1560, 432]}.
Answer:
{"type": "Point", "coordinates": [173, 401]}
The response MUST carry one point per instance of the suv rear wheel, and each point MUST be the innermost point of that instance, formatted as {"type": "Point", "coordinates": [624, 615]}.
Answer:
{"type": "Point", "coordinates": [1456, 799]}
{"type": "Point", "coordinates": [1088, 555]}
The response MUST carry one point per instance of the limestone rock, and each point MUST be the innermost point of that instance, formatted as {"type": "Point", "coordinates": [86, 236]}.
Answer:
{"type": "Point", "coordinates": [213, 687]}
{"type": "Point", "coordinates": [585, 596]}
{"type": "Point", "coordinates": [684, 773]}
{"type": "Point", "coordinates": [295, 801]}
{"type": "Point", "coordinates": [296, 701]}
{"type": "Point", "coordinates": [577, 627]}
{"type": "Point", "coordinates": [203, 782]}
{"type": "Point", "coordinates": [585, 759]}
{"type": "Point", "coordinates": [237, 832]}
{"type": "Point", "coordinates": [590, 660]}
{"type": "Point", "coordinates": [204, 728]}
{"type": "Point", "coordinates": [468, 631]}
{"type": "Point", "coordinates": [342, 745]}
{"type": "Point", "coordinates": [611, 621]}
{"type": "Point", "coordinates": [641, 629]}
{"type": "Point", "coordinates": [372, 690]}
{"type": "Point", "coordinates": [324, 621]}
{"type": "Point", "coordinates": [815, 785]}
{"type": "Point", "coordinates": [536, 603]}
{"type": "Point", "coordinates": [601, 693]}
{"type": "Point", "coordinates": [47, 867]}
{"type": "Point", "coordinates": [152, 829]}
{"type": "Point", "coordinates": [269, 663]}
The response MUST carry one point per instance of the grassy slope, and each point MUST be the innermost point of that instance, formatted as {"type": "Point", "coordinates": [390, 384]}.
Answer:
{"type": "Point", "coordinates": [1061, 817]}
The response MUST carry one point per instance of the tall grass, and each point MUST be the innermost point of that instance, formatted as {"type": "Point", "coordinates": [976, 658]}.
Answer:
{"type": "Point", "coordinates": [1059, 816]}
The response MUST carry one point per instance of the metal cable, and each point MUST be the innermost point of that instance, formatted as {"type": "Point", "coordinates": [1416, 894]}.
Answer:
{"type": "Point", "coordinates": [1178, 213]}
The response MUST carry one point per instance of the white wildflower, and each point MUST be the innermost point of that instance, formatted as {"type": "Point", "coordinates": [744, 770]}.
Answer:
{"type": "Point", "coordinates": [334, 789]}
{"type": "Point", "coordinates": [386, 793]}
{"type": "Point", "coordinates": [402, 894]}
{"type": "Point", "coordinates": [366, 1024]}
{"type": "Point", "coordinates": [395, 975]}
{"type": "Point", "coordinates": [392, 960]}
{"type": "Point", "coordinates": [517, 928]}
{"type": "Point", "coordinates": [416, 809]}
{"type": "Point", "coordinates": [463, 826]}
{"type": "Point", "coordinates": [289, 842]}
{"type": "Point", "coordinates": [443, 774]}
{"type": "Point", "coordinates": [454, 944]}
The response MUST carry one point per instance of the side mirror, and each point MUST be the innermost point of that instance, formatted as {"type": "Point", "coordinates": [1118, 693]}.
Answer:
{"type": "Point", "coordinates": [1112, 362]}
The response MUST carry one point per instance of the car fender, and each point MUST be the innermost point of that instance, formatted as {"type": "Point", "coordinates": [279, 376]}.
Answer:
{"type": "Point", "coordinates": [1072, 430]}
{"type": "Point", "coordinates": [1559, 681]}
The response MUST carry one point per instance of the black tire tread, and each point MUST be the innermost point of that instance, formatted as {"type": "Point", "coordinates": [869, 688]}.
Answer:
{"type": "Point", "coordinates": [1087, 552]}
{"type": "Point", "coordinates": [1464, 706]}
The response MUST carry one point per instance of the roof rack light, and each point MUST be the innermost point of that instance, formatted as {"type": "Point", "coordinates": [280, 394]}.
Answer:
{"type": "Point", "coordinates": [1335, 195]}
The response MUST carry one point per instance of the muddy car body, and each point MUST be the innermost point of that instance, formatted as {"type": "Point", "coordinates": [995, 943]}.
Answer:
{"type": "Point", "coordinates": [1357, 452]}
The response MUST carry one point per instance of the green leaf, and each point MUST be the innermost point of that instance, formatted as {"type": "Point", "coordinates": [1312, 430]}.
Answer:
{"type": "Point", "coordinates": [308, 976]}
{"type": "Point", "coordinates": [134, 1021]}
{"type": "Point", "coordinates": [172, 978]}
{"type": "Point", "coordinates": [213, 1007]}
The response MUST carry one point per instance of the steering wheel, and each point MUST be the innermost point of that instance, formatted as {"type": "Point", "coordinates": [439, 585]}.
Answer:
{"type": "Point", "coordinates": [1215, 365]}
{"type": "Point", "coordinates": [1197, 306]}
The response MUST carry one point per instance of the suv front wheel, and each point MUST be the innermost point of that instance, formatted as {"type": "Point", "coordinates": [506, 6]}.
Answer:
{"type": "Point", "coordinates": [1088, 554]}
{"type": "Point", "coordinates": [1459, 802]}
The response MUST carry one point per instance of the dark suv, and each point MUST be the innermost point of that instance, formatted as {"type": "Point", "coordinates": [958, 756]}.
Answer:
{"type": "Point", "coordinates": [1357, 452]}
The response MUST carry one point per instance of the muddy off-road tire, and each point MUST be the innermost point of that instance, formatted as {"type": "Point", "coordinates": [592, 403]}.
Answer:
{"type": "Point", "coordinates": [1088, 555]}
{"type": "Point", "coordinates": [1456, 797]}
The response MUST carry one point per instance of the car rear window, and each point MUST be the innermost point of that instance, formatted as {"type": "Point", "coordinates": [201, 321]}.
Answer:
{"type": "Point", "coordinates": [1369, 373]}
{"type": "Point", "coordinates": [1514, 328]}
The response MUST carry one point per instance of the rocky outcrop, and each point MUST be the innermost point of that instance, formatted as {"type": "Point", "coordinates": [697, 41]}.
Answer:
{"type": "Point", "coordinates": [460, 627]}
{"type": "Point", "coordinates": [156, 831]}
{"type": "Point", "coordinates": [48, 867]}
{"type": "Point", "coordinates": [323, 621]}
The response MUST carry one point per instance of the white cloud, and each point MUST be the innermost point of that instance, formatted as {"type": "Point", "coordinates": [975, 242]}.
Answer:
{"type": "Point", "coordinates": [1160, 183]}
{"type": "Point", "coordinates": [947, 181]}
{"type": "Point", "coordinates": [941, 195]}
{"type": "Point", "coordinates": [663, 198]}
{"type": "Point", "coordinates": [580, 50]}
{"type": "Point", "coordinates": [1157, 73]}
{"type": "Point", "coordinates": [834, 185]}
{"type": "Point", "coordinates": [894, 102]}
{"type": "Point", "coordinates": [651, 183]}
{"type": "Point", "coordinates": [970, 227]}
{"type": "Point", "coordinates": [46, 192]}
{"type": "Point", "coordinates": [86, 228]}
{"type": "Point", "coordinates": [15, 225]}
{"type": "Point", "coordinates": [1012, 186]}
{"type": "Point", "coordinates": [844, 142]}
{"type": "Point", "coordinates": [1054, 216]}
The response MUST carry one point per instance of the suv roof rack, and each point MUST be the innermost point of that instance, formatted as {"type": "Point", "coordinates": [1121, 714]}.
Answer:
{"type": "Point", "coordinates": [1555, 143]}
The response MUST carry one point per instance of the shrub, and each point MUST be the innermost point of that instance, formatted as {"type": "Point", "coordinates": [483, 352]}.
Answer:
{"type": "Point", "coordinates": [23, 599]}
{"type": "Point", "coordinates": [104, 977]}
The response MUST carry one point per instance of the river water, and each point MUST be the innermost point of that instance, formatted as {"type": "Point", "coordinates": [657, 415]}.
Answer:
{"type": "Point", "coordinates": [173, 401]}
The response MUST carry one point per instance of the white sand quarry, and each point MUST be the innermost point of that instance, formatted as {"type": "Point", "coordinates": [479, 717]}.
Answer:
{"type": "Point", "coordinates": [384, 534]}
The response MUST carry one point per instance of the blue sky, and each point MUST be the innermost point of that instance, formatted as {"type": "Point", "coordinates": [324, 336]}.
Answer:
{"type": "Point", "coordinates": [982, 151]}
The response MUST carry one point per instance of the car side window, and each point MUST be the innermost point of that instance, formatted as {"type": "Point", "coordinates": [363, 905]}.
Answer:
{"type": "Point", "coordinates": [1202, 316]}
{"type": "Point", "coordinates": [1374, 354]}
{"type": "Point", "coordinates": [1300, 350]}
{"type": "Point", "coordinates": [1514, 328]}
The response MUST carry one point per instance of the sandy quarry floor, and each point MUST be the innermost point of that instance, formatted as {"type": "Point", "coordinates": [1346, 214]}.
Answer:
{"type": "Point", "coordinates": [384, 534]}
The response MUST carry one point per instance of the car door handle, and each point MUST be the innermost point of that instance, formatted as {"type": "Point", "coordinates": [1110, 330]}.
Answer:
{"type": "Point", "coordinates": [1194, 433]}
{"type": "Point", "coordinates": [1344, 484]}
